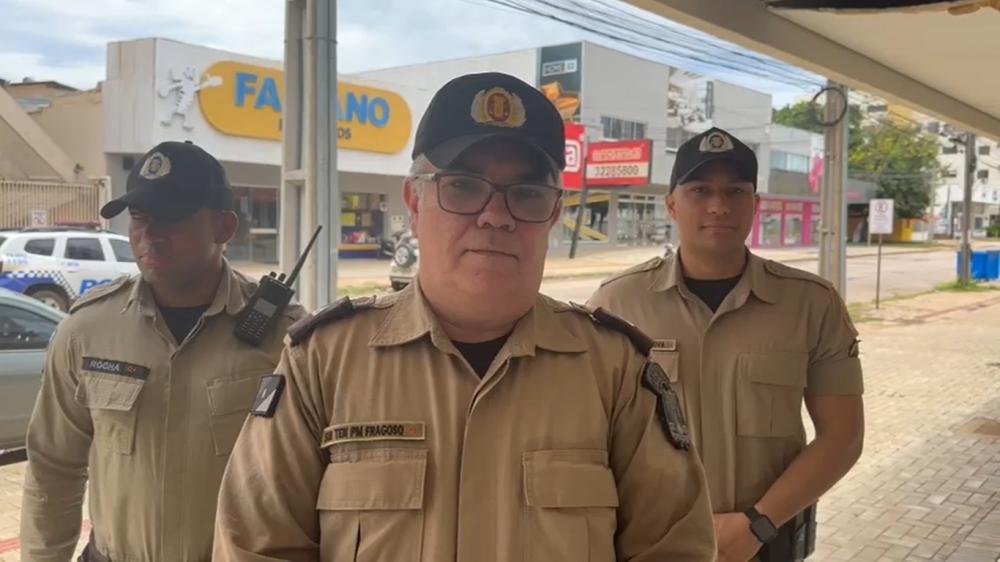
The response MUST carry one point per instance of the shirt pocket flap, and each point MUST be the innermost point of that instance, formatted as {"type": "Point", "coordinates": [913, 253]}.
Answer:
{"type": "Point", "coordinates": [375, 479]}
{"type": "Point", "coordinates": [107, 392]}
{"type": "Point", "coordinates": [569, 478]}
{"type": "Point", "coordinates": [782, 369]}
{"type": "Point", "coordinates": [227, 396]}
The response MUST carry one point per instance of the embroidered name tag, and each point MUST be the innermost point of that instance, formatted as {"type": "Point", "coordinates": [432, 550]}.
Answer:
{"type": "Point", "coordinates": [112, 367]}
{"type": "Point", "coordinates": [664, 345]}
{"type": "Point", "coordinates": [373, 431]}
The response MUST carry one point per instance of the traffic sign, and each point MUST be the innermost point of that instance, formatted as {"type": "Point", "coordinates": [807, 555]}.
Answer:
{"type": "Point", "coordinates": [881, 216]}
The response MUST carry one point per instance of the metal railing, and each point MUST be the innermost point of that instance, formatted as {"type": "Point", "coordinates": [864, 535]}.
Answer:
{"type": "Point", "coordinates": [26, 204]}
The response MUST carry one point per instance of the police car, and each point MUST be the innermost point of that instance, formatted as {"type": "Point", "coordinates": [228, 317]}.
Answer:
{"type": "Point", "coordinates": [56, 266]}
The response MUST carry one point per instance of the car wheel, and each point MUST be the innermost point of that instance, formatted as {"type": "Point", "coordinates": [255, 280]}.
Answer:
{"type": "Point", "coordinates": [51, 298]}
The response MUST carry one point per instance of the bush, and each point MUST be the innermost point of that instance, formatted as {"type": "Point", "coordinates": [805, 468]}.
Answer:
{"type": "Point", "coordinates": [993, 231]}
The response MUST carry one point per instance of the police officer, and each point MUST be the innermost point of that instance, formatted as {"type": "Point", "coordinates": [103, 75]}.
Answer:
{"type": "Point", "coordinates": [467, 417]}
{"type": "Point", "coordinates": [746, 340]}
{"type": "Point", "coordinates": [145, 388]}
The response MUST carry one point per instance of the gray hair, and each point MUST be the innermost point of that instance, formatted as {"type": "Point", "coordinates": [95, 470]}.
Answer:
{"type": "Point", "coordinates": [420, 165]}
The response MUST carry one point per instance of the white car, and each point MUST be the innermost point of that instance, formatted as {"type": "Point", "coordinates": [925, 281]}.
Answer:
{"type": "Point", "coordinates": [58, 265]}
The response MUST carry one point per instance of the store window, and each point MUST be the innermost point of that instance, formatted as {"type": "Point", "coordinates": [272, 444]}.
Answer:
{"type": "Point", "coordinates": [361, 218]}
{"type": "Point", "coordinates": [642, 220]}
{"type": "Point", "coordinates": [257, 238]}
{"type": "Point", "coordinates": [594, 226]}
{"type": "Point", "coordinates": [622, 129]}
{"type": "Point", "coordinates": [770, 229]}
{"type": "Point", "coordinates": [793, 230]}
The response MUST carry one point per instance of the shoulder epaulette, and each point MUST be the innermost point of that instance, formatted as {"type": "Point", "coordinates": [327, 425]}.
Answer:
{"type": "Point", "coordinates": [647, 265]}
{"type": "Point", "coordinates": [789, 272]}
{"type": "Point", "coordinates": [338, 310]}
{"type": "Point", "coordinates": [604, 318]}
{"type": "Point", "coordinates": [99, 293]}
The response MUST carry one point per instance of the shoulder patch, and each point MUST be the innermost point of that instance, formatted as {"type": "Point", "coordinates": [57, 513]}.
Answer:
{"type": "Point", "coordinates": [602, 317]}
{"type": "Point", "coordinates": [99, 293]}
{"type": "Point", "coordinates": [647, 265]}
{"type": "Point", "coordinates": [788, 272]}
{"type": "Point", "coordinates": [342, 308]}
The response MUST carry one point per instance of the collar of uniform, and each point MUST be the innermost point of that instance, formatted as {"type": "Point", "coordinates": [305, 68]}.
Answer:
{"type": "Point", "coordinates": [668, 275]}
{"type": "Point", "coordinates": [671, 274]}
{"type": "Point", "coordinates": [229, 295]}
{"type": "Point", "coordinates": [761, 284]}
{"type": "Point", "coordinates": [541, 328]}
{"type": "Point", "coordinates": [410, 318]}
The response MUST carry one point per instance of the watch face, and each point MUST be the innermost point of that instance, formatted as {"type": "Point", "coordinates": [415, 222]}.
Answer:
{"type": "Point", "coordinates": [763, 529]}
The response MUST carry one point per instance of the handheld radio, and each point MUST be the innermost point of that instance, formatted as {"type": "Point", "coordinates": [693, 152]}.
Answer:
{"type": "Point", "coordinates": [269, 301]}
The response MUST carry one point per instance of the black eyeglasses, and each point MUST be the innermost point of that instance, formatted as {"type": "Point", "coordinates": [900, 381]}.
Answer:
{"type": "Point", "coordinates": [466, 194]}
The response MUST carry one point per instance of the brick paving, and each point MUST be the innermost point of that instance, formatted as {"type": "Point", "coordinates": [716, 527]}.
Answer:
{"type": "Point", "coordinates": [928, 484]}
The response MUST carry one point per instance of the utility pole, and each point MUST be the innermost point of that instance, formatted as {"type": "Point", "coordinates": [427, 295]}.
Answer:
{"type": "Point", "coordinates": [965, 274]}
{"type": "Point", "coordinates": [833, 207]}
{"type": "Point", "coordinates": [310, 195]}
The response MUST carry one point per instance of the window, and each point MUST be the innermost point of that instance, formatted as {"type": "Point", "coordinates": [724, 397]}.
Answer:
{"type": "Point", "coordinates": [622, 129]}
{"type": "Point", "coordinates": [122, 250]}
{"type": "Point", "coordinates": [982, 175]}
{"type": "Point", "coordinates": [949, 149]}
{"type": "Point", "coordinates": [40, 246]}
{"type": "Point", "coordinates": [934, 127]}
{"type": "Point", "coordinates": [2, 240]}
{"type": "Point", "coordinates": [789, 162]}
{"type": "Point", "coordinates": [21, 329]}
{"type": "Point", "coordinates": [949, 173]}
{"type": "Point", "coordinates": [85, 249]}
{"type": "Point", "coordinates": [878, 108]}
{"type": "Point", "coordinates": [984, 150]}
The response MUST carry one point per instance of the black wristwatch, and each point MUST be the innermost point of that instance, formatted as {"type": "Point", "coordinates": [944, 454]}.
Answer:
{"type": "Point", "coordinates": [761, 526]}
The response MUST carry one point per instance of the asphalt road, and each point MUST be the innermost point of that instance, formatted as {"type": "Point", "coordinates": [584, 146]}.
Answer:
{"type": "Point", "coordinates": [902, 274]}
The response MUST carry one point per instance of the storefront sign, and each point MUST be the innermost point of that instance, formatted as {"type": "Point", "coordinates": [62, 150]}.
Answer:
{"type": "Point", "coordinates": [619, 163]}
{"type": "Point", "coordinates": [560, 77]}
{"type": "Point", "coordinates": [575, 143]}
{"type": "Point", "coordinates": [247, 101]}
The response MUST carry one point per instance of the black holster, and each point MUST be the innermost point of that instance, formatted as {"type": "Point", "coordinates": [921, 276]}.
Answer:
{"type": "Point", "coordinates": [90, 552]}
{"type": "Point", "coordinates": [796, 539]}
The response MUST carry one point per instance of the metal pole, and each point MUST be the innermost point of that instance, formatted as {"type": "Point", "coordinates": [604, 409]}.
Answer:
{"type": "Point", "coordinates": [833, 245]}
{"type": "Point", "coordinates": [878, 273]}
{"type": "Point", "coordinates": [324, 133]}
{"type": "Point", "coordinates": [579, 218]}
{"type": "Point", "coordinates": [965, 275]}
{"type": "Point", "coordinates": [292, 123]}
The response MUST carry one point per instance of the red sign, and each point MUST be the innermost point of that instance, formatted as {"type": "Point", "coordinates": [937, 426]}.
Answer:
{"type": "Point", "coordinates": [619, 163]}
{"type": "Point", "coordinates": [575, 143]}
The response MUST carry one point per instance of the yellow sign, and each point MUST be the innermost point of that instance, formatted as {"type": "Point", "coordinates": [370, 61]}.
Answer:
{"type": "Point", "coordinates": [246, 101]}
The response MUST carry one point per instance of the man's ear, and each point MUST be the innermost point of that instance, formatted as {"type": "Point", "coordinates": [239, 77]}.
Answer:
{"type": "Point", "coordinates": [671, 204]}
{"type": "Point", "coordinates": [226, 227]}
{"type": "Point", "coordinates": [411, 197]}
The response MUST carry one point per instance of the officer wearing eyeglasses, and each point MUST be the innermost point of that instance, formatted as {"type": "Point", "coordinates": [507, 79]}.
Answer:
{"type": "Point", "coordinates": [469, 418]}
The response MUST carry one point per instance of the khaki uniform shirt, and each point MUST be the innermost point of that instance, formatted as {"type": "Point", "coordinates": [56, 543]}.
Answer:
{"type": "Point", "coordinates": [148, 421]}
{"type": "Point", "coordinates": [386, 445]}
{"type": "Point", "coordinates": [743, 371]}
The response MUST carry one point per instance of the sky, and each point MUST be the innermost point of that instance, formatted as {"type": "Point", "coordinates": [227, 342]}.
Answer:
{"type": "Point", "coordinates": [65, 40]}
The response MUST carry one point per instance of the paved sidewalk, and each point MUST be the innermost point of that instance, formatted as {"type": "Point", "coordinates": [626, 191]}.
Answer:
{"type": "Point", "coordinates": [592, 262]}
{"type": "Point", "coordinates": [928, 484]}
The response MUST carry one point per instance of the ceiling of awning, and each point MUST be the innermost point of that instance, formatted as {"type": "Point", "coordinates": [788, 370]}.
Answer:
{"type": "Point", "coordinates": [941, 63]}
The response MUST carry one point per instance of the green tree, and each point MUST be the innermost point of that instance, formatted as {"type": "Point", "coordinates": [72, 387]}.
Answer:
{"type": "Point", "coordinates": [899, 158]}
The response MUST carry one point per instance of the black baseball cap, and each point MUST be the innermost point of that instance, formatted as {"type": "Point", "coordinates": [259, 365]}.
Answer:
{"type": "Point", "coordinates": [711, 146]}
{"type": "Point", "coordinates": [172, 181]}
{"type": "Point", "coordinates": [476, 107]}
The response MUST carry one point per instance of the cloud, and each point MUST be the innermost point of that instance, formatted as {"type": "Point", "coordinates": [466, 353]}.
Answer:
{"type": "Point", "coordinates": [371, 33]}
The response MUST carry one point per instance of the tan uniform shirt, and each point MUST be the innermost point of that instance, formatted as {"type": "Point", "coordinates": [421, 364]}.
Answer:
{"type": "Point", "coordinates": [386, 445]}
{"type": "Point", "coordinates": [149, 421]}
{"type": "Point", "coordinates": [780, 334]}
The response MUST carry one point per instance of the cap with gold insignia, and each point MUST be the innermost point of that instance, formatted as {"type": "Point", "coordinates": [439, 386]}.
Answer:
{"type": "Point", "coordinates": [476, 107]}
{"type": "Point", "coordinates": [172, 181]}
{"type": "Point", "coordinates": [711, 146]}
